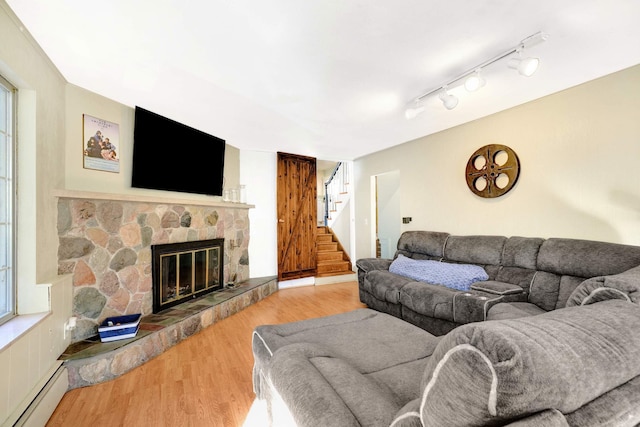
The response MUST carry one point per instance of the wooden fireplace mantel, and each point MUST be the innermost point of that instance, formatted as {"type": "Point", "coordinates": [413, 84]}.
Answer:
{"type": "Point", "coordinates": [215, 201]}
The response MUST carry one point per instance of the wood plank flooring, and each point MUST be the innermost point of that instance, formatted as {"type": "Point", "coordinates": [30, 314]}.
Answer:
{"type": "Point", "coordinates": [206, 379]}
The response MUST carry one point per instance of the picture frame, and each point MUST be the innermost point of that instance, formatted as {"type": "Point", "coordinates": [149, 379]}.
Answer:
{"type": "Point", "coordinates": [100, 144]}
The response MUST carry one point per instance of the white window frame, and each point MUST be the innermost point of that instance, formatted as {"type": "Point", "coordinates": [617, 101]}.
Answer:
{"type": "Point", "coordinates": [8, 283]}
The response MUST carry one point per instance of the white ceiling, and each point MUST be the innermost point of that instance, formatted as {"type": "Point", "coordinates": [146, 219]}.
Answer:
{"type": "Point", "coordinates": [325, 78]}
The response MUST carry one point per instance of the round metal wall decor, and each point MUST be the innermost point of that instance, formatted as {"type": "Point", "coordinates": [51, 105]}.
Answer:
{"type": "Point", "coordinates": [492, 170]}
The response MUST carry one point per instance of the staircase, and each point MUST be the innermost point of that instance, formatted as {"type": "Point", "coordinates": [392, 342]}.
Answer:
{"type": "Point", "coordinates": [331, 259]}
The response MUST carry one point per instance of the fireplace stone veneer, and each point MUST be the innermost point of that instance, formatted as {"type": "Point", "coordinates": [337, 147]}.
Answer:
{"type": "Point", "coordinates": [106, 245]}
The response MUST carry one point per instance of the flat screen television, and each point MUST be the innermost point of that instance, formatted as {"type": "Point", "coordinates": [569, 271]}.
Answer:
{"type": "Point", "coordinates": [168, 155]}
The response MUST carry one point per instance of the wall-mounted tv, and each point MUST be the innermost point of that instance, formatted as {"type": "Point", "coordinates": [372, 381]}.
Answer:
{"type": "Point", "coordinates": [168, 155]}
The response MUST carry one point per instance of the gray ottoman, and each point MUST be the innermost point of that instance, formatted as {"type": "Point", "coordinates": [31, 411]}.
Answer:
{"type": "Point", "coordinates": [388, 353]}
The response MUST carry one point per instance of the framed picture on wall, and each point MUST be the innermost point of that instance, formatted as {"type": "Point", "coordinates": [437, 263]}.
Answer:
{"type": "Point", "coordinates": [100, 144]}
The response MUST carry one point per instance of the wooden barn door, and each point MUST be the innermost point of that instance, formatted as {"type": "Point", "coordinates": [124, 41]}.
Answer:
{"type": "Point", "coordinates": [297, 216]}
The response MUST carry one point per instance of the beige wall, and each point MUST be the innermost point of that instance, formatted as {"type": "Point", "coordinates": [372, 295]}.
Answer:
{"type": "Point", "coordinates": [28, 361]}
{"type": "Point", "coordinates": [81, 101]}
{"type": "Point", "coordinates": [49, 153]}
{"type": "Point", "coordinates": [578, 151]}
{"type": "Point", "coordinates": [41, 131]}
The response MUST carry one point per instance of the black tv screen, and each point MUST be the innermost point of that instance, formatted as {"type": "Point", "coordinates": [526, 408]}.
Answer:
{"type": "Point", "coordinates": [168, 155]}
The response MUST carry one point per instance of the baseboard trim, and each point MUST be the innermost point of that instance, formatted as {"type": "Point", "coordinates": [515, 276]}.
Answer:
{"type": "Point", "coordinates": [294, 283]}
{"type": "Point", "coordinates": [341, 278]}
{"type": "Point", "coordinates": [39, 410]}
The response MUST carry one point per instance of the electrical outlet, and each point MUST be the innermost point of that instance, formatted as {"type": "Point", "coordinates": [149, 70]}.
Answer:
{"type": "Point", "coordinates": [406, 219]}
{"type": "Point", "coordinates": [69, 325]}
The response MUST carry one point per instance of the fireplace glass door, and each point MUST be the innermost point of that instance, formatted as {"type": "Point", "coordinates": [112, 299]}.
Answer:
{"type": "Point", "coordinates": [186, 270]}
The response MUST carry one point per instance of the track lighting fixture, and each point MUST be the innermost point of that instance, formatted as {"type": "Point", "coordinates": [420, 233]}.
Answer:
{"type": "Point", "coordinates": [411, 113]}
{"type": "Point", "coordinates": [525, 66]}
{"type": "Point", "coordinates": [474, 79]}
{"type": "Point", "coordinates": [449, 101]}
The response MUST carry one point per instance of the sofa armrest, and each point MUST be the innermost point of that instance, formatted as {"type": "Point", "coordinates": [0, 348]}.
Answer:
{"type": "Point", "coordinates": [370, 264]}
{"type": "Point", "coordinates": [474, 305]}
{"type": "Point", "coordinates": [625, 285]}
{"type": "Point", "coordinates": [497, 288]}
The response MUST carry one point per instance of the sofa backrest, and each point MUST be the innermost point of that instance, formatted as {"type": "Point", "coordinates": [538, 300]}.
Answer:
{"type": "Point", "coordinates": [422, 245]}
{"type": "Point", "coordinates": [519, 259]}
{"type": "Point", "coordinates": [510, 260]}
{"type": "Point", "coordinates": [563, 264]}
{"type": "Point", "coordinates": [485, 251]}
{"type": "Point", "coordinates": [549, 270]}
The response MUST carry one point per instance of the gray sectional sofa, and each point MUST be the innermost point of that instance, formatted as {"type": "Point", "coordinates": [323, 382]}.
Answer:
{"type": "Point", "coordinates": [560, 350]}
{"type": "Point", "coordinates": [526, 276]}
{"type": "Point", "coordinates": [576, 366]}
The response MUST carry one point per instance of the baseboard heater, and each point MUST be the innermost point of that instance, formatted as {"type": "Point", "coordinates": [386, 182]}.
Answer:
{"type": "Point", "coordinates": [42, 406]}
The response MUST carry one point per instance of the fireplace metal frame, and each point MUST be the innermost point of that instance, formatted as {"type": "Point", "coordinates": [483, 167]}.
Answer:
{"type": "Point", "coordinates": [197, 287]}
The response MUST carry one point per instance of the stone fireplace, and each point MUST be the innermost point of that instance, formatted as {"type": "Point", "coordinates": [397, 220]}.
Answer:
{"type": "Point", "coordinates": [105, 242]}
{"type": "Point", "coordinates": [186, 270]}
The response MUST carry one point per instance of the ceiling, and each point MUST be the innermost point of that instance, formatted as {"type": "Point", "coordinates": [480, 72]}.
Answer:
{"type": "Point", "coordinates": [325, 78]}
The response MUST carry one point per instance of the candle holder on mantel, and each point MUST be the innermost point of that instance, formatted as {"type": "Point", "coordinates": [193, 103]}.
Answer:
{"type": "Point", "coordinates": [235, 194]}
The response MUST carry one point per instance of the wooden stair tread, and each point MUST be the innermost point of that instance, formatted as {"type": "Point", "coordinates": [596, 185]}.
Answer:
{"type": "Point", "coordinates": [330, 256]}
{"type": "Point", "coordinates": [330, 260]}
{"type": "Point", "coordinates": [333, 266]}
{"type": "Point", "coordinates": [327, 247]}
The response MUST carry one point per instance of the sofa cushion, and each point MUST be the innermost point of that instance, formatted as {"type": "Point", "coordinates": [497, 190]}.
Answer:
{"type": "Point", "coordinates": [482, 250]}
{"type": "Point", "coordinates": [365, 338]}
{"type": "Point", "coordinates": [321, 368]}
{"type": "Point", "coordinates": [422, 244]}
{"type": "Point", "coordinates": [513, 310]}
{"type": "Point", "coordinates": [370, 264]}
{"type": "Point", "coordinates": [551, 291]}
{"type": "Point", "coordinates": [428, 300]}
{"type": "Point", "coordinates": [385, 285]}
{"type": "Point", "coordinates": [521, 252]}
{"type": "Point", "coordinates": [319, 389]}
{"type": "Point", "coordinates": [455, 276]}
{"type": "Point", "coordinates": [505, 369]}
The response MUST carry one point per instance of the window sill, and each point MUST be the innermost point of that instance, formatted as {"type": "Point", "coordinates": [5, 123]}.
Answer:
{"type": "Point", "coordinates": [17, 327]}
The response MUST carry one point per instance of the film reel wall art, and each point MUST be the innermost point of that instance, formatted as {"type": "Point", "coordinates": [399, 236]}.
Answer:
{"type": "Point", "coordinates": [492, 170]}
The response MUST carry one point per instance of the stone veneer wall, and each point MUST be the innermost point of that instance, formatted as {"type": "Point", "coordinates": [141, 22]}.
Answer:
{"type": "Point", "coordinates": [106, 245]}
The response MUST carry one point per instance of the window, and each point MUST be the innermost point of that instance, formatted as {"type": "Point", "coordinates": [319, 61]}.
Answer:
{"type": "Point", "coordinates": [7, 199]}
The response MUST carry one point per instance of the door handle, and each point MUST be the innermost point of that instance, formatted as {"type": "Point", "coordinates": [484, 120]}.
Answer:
{"type": "Point", "coordinates": [280, 220]}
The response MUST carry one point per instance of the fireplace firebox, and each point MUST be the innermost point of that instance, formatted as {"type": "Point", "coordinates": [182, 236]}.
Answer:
{"type": "Point", "coordinates": [182, 271]}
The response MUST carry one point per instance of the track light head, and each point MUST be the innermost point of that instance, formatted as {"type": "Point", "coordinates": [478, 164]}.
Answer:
{"type": "Point", "coordinates": [411, 113]}
{"type": "Point", "coordinates": [475, 81]}
{"type": "Point", "coordinates": [449, 101]}
{"type": "Point", "coordinates": [525, 66]}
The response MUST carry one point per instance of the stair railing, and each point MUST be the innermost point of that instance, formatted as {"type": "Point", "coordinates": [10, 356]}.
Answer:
{"type": "Point", "coordinates": [336, 191]}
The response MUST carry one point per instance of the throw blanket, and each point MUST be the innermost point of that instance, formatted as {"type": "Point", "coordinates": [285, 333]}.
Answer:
{"type": "Point", "coordinates": [455, 276]}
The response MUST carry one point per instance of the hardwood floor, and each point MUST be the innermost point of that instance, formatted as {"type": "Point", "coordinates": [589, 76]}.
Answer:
{"type": "Point", "coordinates": [206, 379]}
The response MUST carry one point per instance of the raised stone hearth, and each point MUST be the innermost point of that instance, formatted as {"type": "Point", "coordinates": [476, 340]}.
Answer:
{"type": "Point", "coordinates": [91, 362]}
